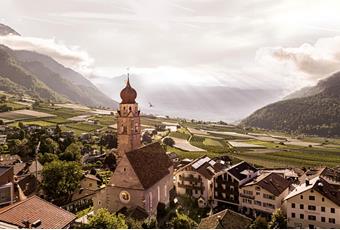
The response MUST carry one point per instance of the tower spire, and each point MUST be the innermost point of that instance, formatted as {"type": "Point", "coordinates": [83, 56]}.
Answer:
{"type": "Point", "coordinates": [128, 75]}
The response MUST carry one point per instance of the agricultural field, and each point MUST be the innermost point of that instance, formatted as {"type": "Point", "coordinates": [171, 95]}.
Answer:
{"type": "Point", "coordinates": [262, 148]}
{"type": "Point", "coordinates": [18, 115]}
{"type": "Point", "coordinates": [185, 145]}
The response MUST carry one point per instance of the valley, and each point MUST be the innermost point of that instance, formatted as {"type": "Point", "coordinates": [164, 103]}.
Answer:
{"type": "Point", "coordinates": [192, 138]}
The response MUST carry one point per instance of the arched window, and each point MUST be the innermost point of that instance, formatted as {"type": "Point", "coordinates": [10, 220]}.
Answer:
{"type": "Point", "coordinates": [150, 201]}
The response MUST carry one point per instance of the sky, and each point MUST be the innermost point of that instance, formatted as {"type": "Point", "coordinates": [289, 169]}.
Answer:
{"type": "Point", "coordinates": [277, 44]}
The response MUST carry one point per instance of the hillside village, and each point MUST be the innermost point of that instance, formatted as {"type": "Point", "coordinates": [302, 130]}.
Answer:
{"type": "Point", "coordinates": [71, 166]}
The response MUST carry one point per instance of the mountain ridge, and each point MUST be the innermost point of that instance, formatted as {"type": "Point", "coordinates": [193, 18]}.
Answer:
{"type": "Point", "coordinates": [315, 114]}
{"type": "Point", "coordinates": [44, 78]}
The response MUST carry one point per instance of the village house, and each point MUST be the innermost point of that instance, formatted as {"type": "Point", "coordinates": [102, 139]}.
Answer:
{"type": "Point", "coordinates": [314, 204]}
{"type": "Point", "coordinates": [226, 219]}
{"type": "Point", "coordinates": [83, 197]}
{"type": "Point", "coordinates": [6, 185]}
{"type": "Point", "coordinates": [227, 184]}
{"type": "Point", "coordinates": [196, 179]}
{"type": "Point", "coordinates": [144, 174]}
{"type": "Point", "coordinates": [264, 194]}
{"type": "Point", "coordinates": [34, 212]}
{"type": "Point", "coordinates": [9, 159]}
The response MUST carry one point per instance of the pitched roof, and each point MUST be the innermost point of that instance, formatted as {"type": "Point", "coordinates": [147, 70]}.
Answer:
{"type": "Point", "coordinates": [239, 171]}
{"type": "Point", "coordinates": [320, 185]}
{"type": "Point", "coordinates": [150, 163]}
{"type": "Point", "coordinates": [4, 169]}
{"type": "Point", "coordinates": [226, 219]}
{"type": "Point", "coordinates": [272, 182]}
{"type": "Point", "coordinates": [33, 209]}
{"type": "Point", "coordinates": [8, 159]}
{"type": "Point", "coordinates": [204, 166]}
{"type": "Point", "coordinates": [92, 177]}
{"type": "Point", "coordinates": [331, 173]}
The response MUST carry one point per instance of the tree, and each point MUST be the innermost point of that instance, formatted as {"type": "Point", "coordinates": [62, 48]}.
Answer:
{"type": "Point", "coordinates": [47, 157]}
{"type": "Point", "coordinates": [61, 179]}
{"type": "Point", "coordinates": [169, 141]}
{"type": "Point", "coordinates": [110, 161]}
{"type": "Point", "coordinates": [259, 223]}
{"type": "Point", "coordinates": [72, 152]}
{"type": "Point", "coordinates": [49, 145]}
{"type": "Point", "coordinates": [150, 223]}
{"type": "Point", "coordinates": [181, 221]}
{"type": "Point", "coordinates": [278, 220]}
{"type": "Point", "coordinates": [103, 219]}
{"type": "Point", "coordinates": [146, 138]}
{"type": "Point", "coordinates": [21, 125]}
{"type": "Point", "coordinates": [133, 224]}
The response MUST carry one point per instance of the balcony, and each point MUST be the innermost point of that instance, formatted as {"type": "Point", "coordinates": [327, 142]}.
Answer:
{"type": "Point", "coordinates": [190, 178]}
{"type": "Point", "coordinates": [191, 186]}
{"type": "Point", "coordinates": [252, 197]}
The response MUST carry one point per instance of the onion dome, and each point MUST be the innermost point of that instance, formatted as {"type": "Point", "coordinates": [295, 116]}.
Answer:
{"type": "Point", "coordinates": [128, 94]}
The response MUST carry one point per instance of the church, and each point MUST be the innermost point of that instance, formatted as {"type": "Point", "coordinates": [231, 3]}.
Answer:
{"type": "Point", "coordinates": [144, 174]}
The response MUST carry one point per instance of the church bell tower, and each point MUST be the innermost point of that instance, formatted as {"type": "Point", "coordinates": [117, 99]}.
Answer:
{"type": "Point", "coordinates": [128, 124]}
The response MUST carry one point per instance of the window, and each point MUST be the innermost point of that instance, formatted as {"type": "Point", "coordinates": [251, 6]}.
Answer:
{"type": "Point", "coordinates": [165, 191]}
{"type": "Point", "coordinates": [90, 185]}
{"type": "Point", "coordinates": [259, 203]}
{"type": "Point", "coordinates": [124, 196]}
{"type": "Point", "coordinates": [311, 207]}
{"type": "Point", "coordinates": [158, 193]}
{"type": "Point", "coordinates": [323, 209]}
{"type": "Point", "coordinates": [323, 199]}
{"type": "Point", "coordinates": [268, 196]}
{"type": "Point", "coordinates": [332, 210]}
{"type": "Point", "coordinates": [224, 195]}
{"type": "Point", "coordinates": [223, 186]}
{"type": "Point", "coordinates": [301, 206]}
{"type": "Point", "coordinates": [257, 188]}
{"type": "Point", "coordinates": [311, 197]}
{"type": "Point", "coordinates": [247, 201]}
{"type": "Point", "coordinates": [323, 219]}
{"type": "Point", "coordinates": [293, 215]}
{"type": "Point", "coordinates": [247, 192]}
{"type": "Point", "coordinates": [231, 196]}
{"type": "Point", "coordinates": [293, 205]}
{"type": "Point", "coordinates": [150, 200]}
{"type": "Point", "coordinates": [301, 197]}
{"type": "Point", "coordinates": [331, 220]}
{"type": "Point", "coordinates": [268, 205]}
{"type": "Point", "coordinates": [302, 216]}
{"type": "Point", "coordinates": [310, 217]}
{"type": "Point", "coordinates": [258, 193]}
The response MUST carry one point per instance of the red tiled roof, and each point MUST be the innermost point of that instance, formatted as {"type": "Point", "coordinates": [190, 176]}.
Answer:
{"type": "Point", "coordinates": [272, 182]}
{"type": "Point", "coordinates": [150, 163]}
{"type": "Point", "coordinates": [226, 219]}
{"type": "Point", "coordinates": [33, 209]}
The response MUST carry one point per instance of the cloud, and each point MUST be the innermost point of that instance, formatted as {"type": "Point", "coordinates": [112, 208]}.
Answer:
{"type": "Point", "coordinates": [313, 61]}
{"type": "Point", "coordinates": [70, 56]}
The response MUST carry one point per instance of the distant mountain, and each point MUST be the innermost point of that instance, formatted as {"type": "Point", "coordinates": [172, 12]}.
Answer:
{"type": "Point", "coordinates": [5, 30]}
{"type": "Point", "coordinates": [42, 77]}
{"type": "Point", "coordinates": [190, 101]}
{"type": "Point", "coordinates": [317, 111]}
{"type": "Point", "coordinates": [63, 80]}
{"type": "Point", "coordinates": [17, 76]}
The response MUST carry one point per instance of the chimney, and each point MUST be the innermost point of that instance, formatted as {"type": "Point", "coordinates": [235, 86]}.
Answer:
{"type": "Point", "coordinates": [307, 182]}
{"type": "Point", "coordinates": [27, 224]}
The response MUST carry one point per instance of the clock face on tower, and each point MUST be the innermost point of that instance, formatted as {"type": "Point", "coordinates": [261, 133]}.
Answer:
{"type": "Point", "coordinates": [124, 196]}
